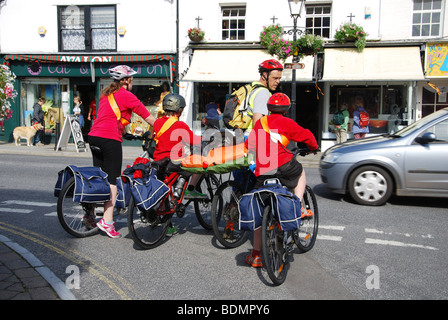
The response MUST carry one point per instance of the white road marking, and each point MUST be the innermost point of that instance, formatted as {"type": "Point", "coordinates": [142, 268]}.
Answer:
{"type": "Point", "coordinates": [29, 203]}
{"type": "Point", "coordinates": [397, 244]}
{"type": "Point", "coordinates": [12, 210]}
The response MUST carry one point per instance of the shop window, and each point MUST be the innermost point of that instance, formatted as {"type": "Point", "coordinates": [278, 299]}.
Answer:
{"type": "Point", "coordinates": [233, 23]}
{"type": "Point", "coordinates": [385, 105]}
{"type": "Point", "coordinates": [56, 94]}
{"type": "Point", "coordinates": [433, 101]}
{"type": "Point", "coordinates": [149, 92]}
{"type": "Point", "coordinates": [87, 28]}
{"type": "Point", "coordinates": [318, 20]}
{"type": "Point", "coordinates": [426, 18]}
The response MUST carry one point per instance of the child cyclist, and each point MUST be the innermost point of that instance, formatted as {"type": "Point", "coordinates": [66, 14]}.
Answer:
{"type": "Point", "coordinates": [171, 135]}
{"type": "Point", "coordinates": [268, 140]}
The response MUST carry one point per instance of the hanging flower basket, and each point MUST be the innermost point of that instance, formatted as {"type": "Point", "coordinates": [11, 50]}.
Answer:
{"type": "Point", "coordinates": [196, 34]}
{"type": "Point", "coordinates": [309, 45]}
{"type": "Point", "coordinates": [351, 32]}
{"type": "Point", "coordinates": [7, 92]}
{"type": "Point", "coordinates": [271, 39]}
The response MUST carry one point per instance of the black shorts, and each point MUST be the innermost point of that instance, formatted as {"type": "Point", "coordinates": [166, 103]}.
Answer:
{"type": "Point", "coordinates": [109, 159]}
{"type": "Point", "coordinates": [288, 174]}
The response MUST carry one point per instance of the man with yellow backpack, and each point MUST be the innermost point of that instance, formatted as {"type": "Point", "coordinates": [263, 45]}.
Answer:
{"type": "Point", "coordinates": [248, 104]}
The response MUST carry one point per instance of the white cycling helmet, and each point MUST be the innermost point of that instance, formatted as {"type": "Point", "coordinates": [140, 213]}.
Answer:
{"type": "Point", "coordinates": [121, 72]}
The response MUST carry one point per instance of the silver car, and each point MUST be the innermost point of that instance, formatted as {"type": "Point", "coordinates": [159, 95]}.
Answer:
{"type": "Point", "coordinates": [411, 162]}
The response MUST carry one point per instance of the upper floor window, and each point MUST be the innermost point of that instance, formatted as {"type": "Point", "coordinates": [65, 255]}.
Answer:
{"type": "Point", "coordinates": [87, 28]}
{"type": "Point", "coordinates": [318, 20]}
{"type": "Point", "coordinates": [426, 18]}
{"type": "Point", "coordinates": [233, 23]}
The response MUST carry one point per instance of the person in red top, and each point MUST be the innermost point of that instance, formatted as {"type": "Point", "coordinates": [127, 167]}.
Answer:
{"type": "Point", "coordinates": [273, 159]}
{"type": "Point", "coordinates": [171, 136]}
{"type": "Point", "coordinates": [106, 136]}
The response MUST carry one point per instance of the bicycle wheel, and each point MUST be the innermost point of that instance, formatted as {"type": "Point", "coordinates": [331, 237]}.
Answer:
{"type": "Point", "coordinates": [225, 215]}
{"type": "Point", "coordinates": [305, 236]}
{"type": "Point", "coordinates": [208, 185]}
{"type": "Point", "coordinates": [147, 229]}
{"type": "Point", "coordinates": [273, 251]}
{"type": "Point", "coordinates": [78, 219]}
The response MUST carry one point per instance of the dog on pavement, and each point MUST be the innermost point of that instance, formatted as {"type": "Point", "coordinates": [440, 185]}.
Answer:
{"type": "Point", "coordinates": [26, 133]}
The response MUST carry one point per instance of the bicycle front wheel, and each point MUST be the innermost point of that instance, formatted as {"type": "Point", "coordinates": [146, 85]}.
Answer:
{"type": "Point", "coordinates": [147, 229]}
{"type": "Point", "coordinates": [78, 219]}
{"type": "Point", "coordinates": [273, 251]}
{"type": "Point", "coordinates": [225, 215]}
{"type": "Point", "coordinates": [305, 236]}
{"type": "Point", "coordinates": [202, 207]}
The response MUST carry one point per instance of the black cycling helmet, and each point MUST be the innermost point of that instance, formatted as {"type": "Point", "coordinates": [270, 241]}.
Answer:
{"type": "Point", "coordinates": [173, 102]}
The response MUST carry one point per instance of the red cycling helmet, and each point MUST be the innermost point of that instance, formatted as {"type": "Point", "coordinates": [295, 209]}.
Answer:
{"type": "Point", "coordinates": [278, 103]}
{"type": "Point", "coordinates": [270, 65]}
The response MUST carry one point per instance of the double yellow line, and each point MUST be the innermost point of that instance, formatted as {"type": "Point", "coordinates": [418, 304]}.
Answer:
{"type": "Point", "coordinates": [101, 272]}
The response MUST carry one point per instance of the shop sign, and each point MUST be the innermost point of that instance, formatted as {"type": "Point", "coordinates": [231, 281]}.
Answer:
{"type": "Point", "coordinates": [437, 60]}
{"type": "Point", "coordinates": [295, 66]}
{"type": "Point", "coordinates": [61, 69]}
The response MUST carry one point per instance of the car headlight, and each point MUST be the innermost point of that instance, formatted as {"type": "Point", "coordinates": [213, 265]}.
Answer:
{"type": "Point", "coordinates": [331, 157]}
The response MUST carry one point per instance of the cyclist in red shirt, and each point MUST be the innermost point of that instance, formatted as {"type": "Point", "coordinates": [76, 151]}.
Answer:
{"type": "Point", "coordinates": [171, 136]}
{"type": "Point", "coordinates": [106, 135]}
{"type": "Point", "coordinates": [273, 159]}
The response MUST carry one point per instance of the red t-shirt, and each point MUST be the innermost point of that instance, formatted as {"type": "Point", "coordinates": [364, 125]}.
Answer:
{"type": "Point", "coordinates": [106, 124]}
{"type": "Point", "coordinates": [171, 142]}
{"type": "Point", "coordinates": [269, 154]}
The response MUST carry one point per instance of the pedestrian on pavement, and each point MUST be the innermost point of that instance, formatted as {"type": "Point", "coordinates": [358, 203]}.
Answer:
{"type": "Point", "coordinates": [359, 129]}
{"type": "Point", "coordinates": [78, 110]}
{"type": "Point", "coordinates": [106, 136]}
{"type": "Point", "coordinates": [213, 113]}
{"type": "Point", "coordinates": [342, 129]}
{"type": "Point", "coordinates": [38, 117]}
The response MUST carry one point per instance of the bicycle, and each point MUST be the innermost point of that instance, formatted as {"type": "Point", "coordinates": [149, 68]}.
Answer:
{"type": "Point", "coordinates": [79, 219]}
{"type": "Point", "coordinates": [148, 228]}
{"type": "Point", "coordinates": [224, 210]}
{"type": "Point", "coordinates": [277, 245]}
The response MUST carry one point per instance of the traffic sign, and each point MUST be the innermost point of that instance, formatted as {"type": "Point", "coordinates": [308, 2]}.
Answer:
{"type": "Point", "coordinates": [296, 65]}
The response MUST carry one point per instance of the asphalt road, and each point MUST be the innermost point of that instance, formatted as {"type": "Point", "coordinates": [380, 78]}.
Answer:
{"type": "Point", "coordinates": [397, 251]}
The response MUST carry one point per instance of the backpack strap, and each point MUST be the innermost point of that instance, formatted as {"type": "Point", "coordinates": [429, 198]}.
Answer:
{"type": "Point", "coordinates": [168, 123]}
{"type": "Point", "coordinates": [276, 137]}
{"type": "Point", "coordinates": [116, 110]}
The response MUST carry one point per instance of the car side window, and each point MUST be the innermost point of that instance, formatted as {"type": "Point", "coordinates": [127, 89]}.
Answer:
{"type": "Point", "coordinates": [440, 130]}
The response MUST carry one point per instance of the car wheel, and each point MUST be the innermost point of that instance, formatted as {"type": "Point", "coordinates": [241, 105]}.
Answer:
{"type": "Point", "coordinates": [370, 185]}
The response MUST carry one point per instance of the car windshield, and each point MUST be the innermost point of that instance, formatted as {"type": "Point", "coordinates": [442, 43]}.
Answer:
{"type": "Point", "coordinates": [421, 123]}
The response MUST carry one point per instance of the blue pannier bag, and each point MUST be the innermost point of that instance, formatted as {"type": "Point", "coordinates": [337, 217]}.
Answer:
{"type": "Point", "coordinates": [91, 184]}
{"type": "Point", "coordinates": [286, 206]}
{"type": "Point", "coordinates": [147, 191]}
{"type": "Point", "coordinates": [124, 192]}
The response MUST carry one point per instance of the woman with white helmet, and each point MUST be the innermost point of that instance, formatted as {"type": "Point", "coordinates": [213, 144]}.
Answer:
{"type": "Point", "coordinates": [116, 106]}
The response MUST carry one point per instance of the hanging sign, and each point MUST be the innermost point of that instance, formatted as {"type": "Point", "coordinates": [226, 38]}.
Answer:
{"type": "Point", "coordinates": [296, 65]}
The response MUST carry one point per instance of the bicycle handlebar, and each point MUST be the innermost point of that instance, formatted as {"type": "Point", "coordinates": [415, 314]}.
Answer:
{"type": "Point", "coordinates": [305, 151]}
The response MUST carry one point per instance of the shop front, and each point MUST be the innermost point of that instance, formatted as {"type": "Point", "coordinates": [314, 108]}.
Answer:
{"type": "Point", "coordinates": [60, 78]}
{"type": "Point", "coordinates": [385, 81]}
{"type": "Point", "coordinates": [434, 94]}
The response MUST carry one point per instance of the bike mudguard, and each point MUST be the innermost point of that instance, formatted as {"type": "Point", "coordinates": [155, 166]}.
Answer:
{"type": "Point", "coordinates": [286, 207]}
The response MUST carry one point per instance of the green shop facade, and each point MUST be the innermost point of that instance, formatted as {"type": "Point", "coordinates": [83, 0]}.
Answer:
{"type": "Point", "coordinates": [59, 78]}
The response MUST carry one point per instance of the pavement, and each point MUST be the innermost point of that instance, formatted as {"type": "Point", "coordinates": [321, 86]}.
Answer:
{"type": "Point", "coordinates": [25, 277]}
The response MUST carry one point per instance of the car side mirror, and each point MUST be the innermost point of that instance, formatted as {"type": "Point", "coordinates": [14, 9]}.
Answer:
{"type": "Point", "coordinates": [427, 138]}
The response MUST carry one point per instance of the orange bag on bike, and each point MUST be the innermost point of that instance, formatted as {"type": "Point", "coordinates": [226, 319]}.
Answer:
{"type": "Point", "coordinates": [215, 156]}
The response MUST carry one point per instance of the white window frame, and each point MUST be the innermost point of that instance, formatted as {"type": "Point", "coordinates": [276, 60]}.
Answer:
{"type": "Point", "coordinates": [236, 29]}
{"type": "Point", "coordinates": [426, 10]}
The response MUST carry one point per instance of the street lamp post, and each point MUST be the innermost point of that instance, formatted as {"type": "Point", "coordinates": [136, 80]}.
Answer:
{"type": "Point", "coordinates": [295, 8]}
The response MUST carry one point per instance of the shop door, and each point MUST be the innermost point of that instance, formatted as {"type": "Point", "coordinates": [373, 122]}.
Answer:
{"type": "Point", "coordinates": [87, 93]}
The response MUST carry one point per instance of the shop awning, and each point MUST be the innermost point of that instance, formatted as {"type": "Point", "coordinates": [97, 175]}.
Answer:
{"type": "Point", "coordinates": [235, 66]}
{"type": "Point", "coordinates": [89, 58]}
{"type": "Point", "coordinates": [373, 64]}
